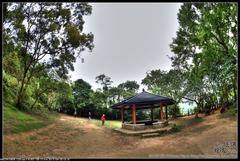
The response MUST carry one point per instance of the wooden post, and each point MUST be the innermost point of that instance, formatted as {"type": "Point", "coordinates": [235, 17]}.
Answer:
{"type": "Point", "coordinates": [134, 114]}
{"type": "Point", "coordinates": [166, 113]}
{"type": "Point", "coordinates": [122, 114]}
{"type": "Point", "coordinates": [161, 111]}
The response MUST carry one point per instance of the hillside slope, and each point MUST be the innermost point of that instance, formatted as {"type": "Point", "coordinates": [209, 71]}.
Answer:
{"type": "Point", "coordinates": [15, 121]}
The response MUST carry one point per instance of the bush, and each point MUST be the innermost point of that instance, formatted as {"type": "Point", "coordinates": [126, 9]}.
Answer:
{"type": "Point", "coordinates": [10, 87]}
{"type": "Point", "coordinates": [232, 113]}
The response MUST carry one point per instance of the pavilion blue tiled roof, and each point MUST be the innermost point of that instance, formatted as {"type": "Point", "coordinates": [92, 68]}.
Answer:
{"type": "Point", "coordinates": [144, 99]}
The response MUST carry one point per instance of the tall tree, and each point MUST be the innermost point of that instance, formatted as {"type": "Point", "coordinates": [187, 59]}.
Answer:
{"type": "Point", "coordinates": [128, 88]}
{"type": "Point", "coordinates": [65, 98]}
{"type": "Point", "coordinates": [130, 85]}
{"type": "Point", "coordinates": [81, 92]}
{"type": "Point", "coordinates": [205, 46]}
{"type": "Point", "coordinates": [169, 84]}
{"type": "Point", "coordinates": [114, 94]}
{"type": "Point", "coordinates": [104, 80]}
{"type": "Point", "coordinates": [45, 29]}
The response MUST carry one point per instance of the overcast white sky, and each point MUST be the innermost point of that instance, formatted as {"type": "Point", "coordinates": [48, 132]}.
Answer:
{"type": "Point", "coordinates": [130, 39]}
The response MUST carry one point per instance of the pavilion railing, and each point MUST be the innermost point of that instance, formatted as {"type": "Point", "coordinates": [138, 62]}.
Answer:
{"type": "Point", "coordinates": [143, 126]}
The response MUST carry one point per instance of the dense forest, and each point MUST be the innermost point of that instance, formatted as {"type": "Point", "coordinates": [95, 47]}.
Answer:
{"type": "Point", "coordinates": [42, 41]}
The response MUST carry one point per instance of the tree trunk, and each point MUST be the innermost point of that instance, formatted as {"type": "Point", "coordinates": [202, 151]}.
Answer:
{"type": "Point", "coordinates": [34, 103]}
{"type": "Point", "coordinates": [197, 110]}
{"type": "Point", "coordinates": [196, 114]}
{"type": "Point", "coordinates": [19, 97]}
{"type": "Point", "coordinates": [235, 90]}
{"type": "Point", "coordinates": [38, 97]}
{"type": "Point", "coordinates": [175, 111]}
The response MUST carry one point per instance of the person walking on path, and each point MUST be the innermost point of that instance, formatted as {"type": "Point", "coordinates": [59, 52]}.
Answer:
{"type": "Point", "coordinates": [75, 112]}
{"type": "Point", "coordinates": [89, 115]}
{"type": "Point", "coordinates": [103, 119]}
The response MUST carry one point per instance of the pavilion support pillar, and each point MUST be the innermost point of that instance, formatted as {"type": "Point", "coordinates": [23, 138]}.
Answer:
{"type": "Point", "coordinates": [161, 111]}
{"type": "Point", "coordinates": [122, 115]}
{"type": "Point", "coordinates": [134, 114]}
{"type": "Point", "coordinates": [166, 112]}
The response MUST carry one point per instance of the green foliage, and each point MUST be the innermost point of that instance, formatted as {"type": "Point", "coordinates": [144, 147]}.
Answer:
{"type": "Point", "coordinates": [205, 48]}
{"type": "Point", "coordinates": [171, 84]}
{"type": "Point", "coordinates": [11, 75]}
{"type": "Point", "coordinates": [129, 86]}
{"type": "Point", "coordinates": [114, 94]}
{"type": "Point", "coordinates": [127, 89]}
{"type": "Point", "coordinates": [12, 64]}
{"type": "Point", "coordinates": [166, 83]}
{"type": "Point", "coordinates": [10, 87]}
{"type": "Point", "coordinates": [97, 99]}
{"type": "Point", "coordinates": [65, 99]}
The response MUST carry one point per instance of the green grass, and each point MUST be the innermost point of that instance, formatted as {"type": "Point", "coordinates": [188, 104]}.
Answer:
{"type": "Point", "coordinates": [201, 129]}
{"type": "Point", "coordinates": [194, 121]}
{"type": "Point", "coordinates": [186, 122]}
{"type": "Point", "coordinates": [108, 123]}
{"type": "Point", "coordinates": [32, 138]}
{"type": "Point", "coordinates": [176, 128]}
{"type": "Point", "coordinates": [16, 121]}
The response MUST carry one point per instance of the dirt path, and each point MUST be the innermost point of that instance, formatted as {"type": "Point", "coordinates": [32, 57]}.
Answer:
{"type": "Point", "coordinates": [71, 137]}
{"type": "Point", "coordinates": [67, 137]}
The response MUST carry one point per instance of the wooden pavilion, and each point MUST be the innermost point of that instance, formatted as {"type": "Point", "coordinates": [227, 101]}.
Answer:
{"type": "Point", "coordinates": [144, 100]}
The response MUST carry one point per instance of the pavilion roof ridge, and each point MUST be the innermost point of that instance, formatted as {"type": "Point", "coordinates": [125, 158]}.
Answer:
{"type": "Point", "coordinates": [132, 97]}
{"type": "Point", "coordinates": [156, 94]}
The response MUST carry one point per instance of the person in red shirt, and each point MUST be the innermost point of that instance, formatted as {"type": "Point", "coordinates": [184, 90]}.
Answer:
{"type": "Point", "coordinates": [103, 119]}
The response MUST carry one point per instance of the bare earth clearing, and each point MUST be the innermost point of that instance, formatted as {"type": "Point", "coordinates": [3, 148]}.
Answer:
{"type": "Point", "coordinates": [71, 137]}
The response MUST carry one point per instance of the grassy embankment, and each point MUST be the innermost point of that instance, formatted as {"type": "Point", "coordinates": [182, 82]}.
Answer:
{"type": "Point", "coordinates": [16, 121]}
{"type": "Point", "coordinates": [181, 123]}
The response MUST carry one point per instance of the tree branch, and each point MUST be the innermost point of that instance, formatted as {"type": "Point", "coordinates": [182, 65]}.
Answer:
{"type": "Point", "coordinates": [190, 99]}
{"type": "Point", "coordinates": [220, 40]}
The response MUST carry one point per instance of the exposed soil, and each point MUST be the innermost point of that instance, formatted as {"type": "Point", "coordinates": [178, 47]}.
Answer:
{"type": "Point", "coordinates": [71, 137]}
